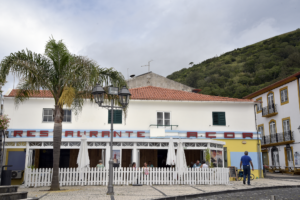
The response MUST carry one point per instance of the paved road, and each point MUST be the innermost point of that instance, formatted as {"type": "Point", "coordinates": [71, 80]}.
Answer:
{"type": "Point", "coordinates": [282, 176]}
{"type": "Point", "coordinates": [280, 194]}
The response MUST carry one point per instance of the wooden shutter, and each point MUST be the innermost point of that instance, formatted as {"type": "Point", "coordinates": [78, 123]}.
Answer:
{"type": "Point", "coordinates": [215, 118]}
{"type": "Point", "coordinates": [117, 116]}
{"type": "Point", "coordinates": [219, 118]}
{"type": "Point", "coordinates": [222, 120]}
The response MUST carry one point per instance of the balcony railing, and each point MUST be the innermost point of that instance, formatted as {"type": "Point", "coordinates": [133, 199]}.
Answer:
{"type": "Point", "coordinates": [287, 136]}
{"type": "Point", "coordinates": [269, 110]}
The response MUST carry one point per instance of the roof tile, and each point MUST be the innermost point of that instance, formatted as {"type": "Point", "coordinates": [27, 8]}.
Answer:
{"type": "Point", "coordinates": [156, 93]}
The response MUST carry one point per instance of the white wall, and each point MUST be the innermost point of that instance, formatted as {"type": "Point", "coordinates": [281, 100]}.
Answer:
{"type": "Point", "coordinates": [291, 110]}
{"type": "Point", "coordinates": [188, 115]}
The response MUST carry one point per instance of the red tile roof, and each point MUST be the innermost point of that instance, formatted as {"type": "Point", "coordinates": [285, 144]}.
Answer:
{"type": "Point", "coordinates": [41, 94]}
{"type": "Point", "coordinates": [156, 93]}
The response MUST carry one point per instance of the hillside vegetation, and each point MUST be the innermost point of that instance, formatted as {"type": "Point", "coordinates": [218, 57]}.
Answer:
{"type": "Point", "coordinates": [245, 70]}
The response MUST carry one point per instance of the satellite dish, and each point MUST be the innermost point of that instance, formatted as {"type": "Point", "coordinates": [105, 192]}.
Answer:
{"type": "Point", "coordinates": [131, 76]}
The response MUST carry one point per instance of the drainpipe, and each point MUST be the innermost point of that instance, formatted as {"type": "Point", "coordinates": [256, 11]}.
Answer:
{"type": "Point", "coordinates": [258, 145]}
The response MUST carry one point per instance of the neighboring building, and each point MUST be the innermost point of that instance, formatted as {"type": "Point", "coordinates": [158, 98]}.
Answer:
{"type": "Point", "coordinates": [278, 119]}
{"type": "Point", "coordinates": [152, 79]}
{"type": "Point", "coordinates": [224, 125]}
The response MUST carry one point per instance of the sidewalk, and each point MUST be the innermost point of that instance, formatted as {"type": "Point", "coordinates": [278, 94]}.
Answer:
{"type": "Point", "coordinates": [149, 192]}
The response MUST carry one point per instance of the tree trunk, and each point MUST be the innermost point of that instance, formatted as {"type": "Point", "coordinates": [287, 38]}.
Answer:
{"type": "Point", "coordinates": [57, 133]}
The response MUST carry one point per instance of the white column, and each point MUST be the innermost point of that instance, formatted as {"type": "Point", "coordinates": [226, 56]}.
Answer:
{"type": "Point", "coordinates": [135, 155]}
{"type": "Point", "coordinates": [107, 155]}
{"type": "Point", "coordinates": [27, 155]}
{"type": "Point", "coordinates": [26, 161]}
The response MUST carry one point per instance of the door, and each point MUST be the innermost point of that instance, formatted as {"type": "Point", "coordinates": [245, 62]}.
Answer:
{"type": "Point", "coordinates": [272, 132]}
{"type": "Point", "coordinates": [289, 156]}
{"type": "Point", "coordinates": [286, 130]}
{"type": "Point", "coordinates": [265, 158]}
{"type": "Point", "coordinates": [271, 102]}
{"type": "Point", "coordinates": [275, 159]}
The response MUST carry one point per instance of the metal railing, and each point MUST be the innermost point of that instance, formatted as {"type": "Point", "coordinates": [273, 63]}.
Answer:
{"type": "Point", "coordinates": [157, 125]}
{"type": "Point", "coordinates": [278, 137]}
{"type": "Point", "coordinates": [270, 109]}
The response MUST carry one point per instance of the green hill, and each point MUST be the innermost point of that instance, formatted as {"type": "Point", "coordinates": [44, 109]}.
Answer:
{"type": "Point", "coordinates": [245, 70]}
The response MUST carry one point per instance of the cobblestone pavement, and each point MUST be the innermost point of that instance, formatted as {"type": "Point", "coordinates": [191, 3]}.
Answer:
{"type": "Point", "coordinates": [152, 192]}
{"type": "Point", "coordinates": [280, 194]}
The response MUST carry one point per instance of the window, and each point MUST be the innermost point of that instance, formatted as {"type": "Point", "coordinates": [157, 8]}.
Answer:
{"type": "Point", "coordinates": [163, 118]}
{"type": "Point", "coordinates": [272, 127]}
{"type": "Point", "coordinates": [48, 115]}
{"type": "Point", "coordinates": [219, 118]}
{"type": "Point", "coordinates": [271, 100]}
{"type": "Point", "coordinates": [286, 125]}
{"type": "Point", "coordinates": [261, 129]}
{"type": "Point", "coordinates": [284, 99]}
{"type": "Point", "coordinates": [117, 116]}
{"type": "Point", "coordinates": [259, 105]}
{"type": "Point", "coordinates": [67, 116]}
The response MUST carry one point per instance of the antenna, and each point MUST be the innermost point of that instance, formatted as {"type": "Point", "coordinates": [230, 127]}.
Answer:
{"type": "Point", "coordinates": [147, 65]}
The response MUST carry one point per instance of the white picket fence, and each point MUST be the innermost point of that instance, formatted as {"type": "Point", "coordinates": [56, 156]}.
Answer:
{"type": "Point", "coordinates": [128, 176]}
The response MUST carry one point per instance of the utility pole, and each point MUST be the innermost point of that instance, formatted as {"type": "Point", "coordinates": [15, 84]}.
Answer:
{"type": "Point", "coordinates": [148, 65]}
{"type": "Point", "coordinates": [2, 135]}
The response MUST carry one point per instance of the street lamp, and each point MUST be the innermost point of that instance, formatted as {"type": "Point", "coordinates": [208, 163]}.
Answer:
{"type": "Point", "coordinates": [124, 94]}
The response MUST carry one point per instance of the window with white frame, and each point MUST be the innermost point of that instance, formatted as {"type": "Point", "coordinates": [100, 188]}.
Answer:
{"type": "Point", "coordinates": [286, 125]}
{"type": "Point", "coordinates": [284, 95]}
{"type": "Point", "coordinates": [163, 118]}
{"type": "Point", "coordinates": [261, 130]}
{"type": "Point", "coordinates": [67, 116]}
{"type": "Point", "coordinates": [48, 115]}
{"type": "Point", "coordinates": [272, 127]}
{"type": "Point", "coordinates": [259, 106]}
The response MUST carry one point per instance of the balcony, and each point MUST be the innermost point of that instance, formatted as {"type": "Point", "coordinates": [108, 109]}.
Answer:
{"type": "Point", "coordinates": [270, 110]}
{"type": "Point", "coordinates": [286, 137]}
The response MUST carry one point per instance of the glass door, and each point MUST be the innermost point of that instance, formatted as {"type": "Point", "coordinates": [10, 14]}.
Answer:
{"type": "Point", "coordinates": [272, 132]}
{"type": "Point", "coordinates": [286, 130]}
{"type": "Point", "coordinates": [275, 159]}
{"type": "Point", "coordinates": [270, 102]}
{"type": "Point", "coordinates": [289, 155]}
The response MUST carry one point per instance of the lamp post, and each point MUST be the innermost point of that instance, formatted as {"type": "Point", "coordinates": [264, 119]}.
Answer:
{"type": "Point", "coordinates": [124, 94]}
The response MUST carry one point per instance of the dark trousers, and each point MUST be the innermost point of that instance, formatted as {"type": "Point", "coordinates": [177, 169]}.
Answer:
{"type": "Point", "coordinates": [246, 169]}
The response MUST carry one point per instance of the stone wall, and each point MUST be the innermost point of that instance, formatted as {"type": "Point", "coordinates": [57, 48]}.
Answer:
{"type": "Point", "coordinates": [152, 79]}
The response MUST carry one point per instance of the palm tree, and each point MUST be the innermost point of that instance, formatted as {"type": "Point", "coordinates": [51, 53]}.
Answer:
{"type": "Point", "coordinates": [68, 77]}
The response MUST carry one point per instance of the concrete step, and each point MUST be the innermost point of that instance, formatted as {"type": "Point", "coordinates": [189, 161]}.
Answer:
{"type": "Point", "coordinates": [13, 196]}
{"type": "Point", "coordinates": [33, 198]}
{"type": "Point", "coordinates": [8, 188]}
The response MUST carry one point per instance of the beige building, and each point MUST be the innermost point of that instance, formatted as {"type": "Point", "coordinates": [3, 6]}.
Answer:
{"type": "Point", "coordinates": [152, 79]}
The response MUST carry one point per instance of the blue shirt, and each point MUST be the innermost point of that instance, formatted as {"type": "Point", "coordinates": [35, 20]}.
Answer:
{"type": "Point", "coordinates": [246, 160]}
{"type": "Point", "coordinates": [197, 166]}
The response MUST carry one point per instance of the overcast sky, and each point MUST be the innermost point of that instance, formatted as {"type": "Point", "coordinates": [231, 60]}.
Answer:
{"type": "Point", "coordinates": [126, 34]}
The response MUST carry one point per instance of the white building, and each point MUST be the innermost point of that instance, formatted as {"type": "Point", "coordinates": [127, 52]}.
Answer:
{"type": "Point", "coordinates": [278, 118]}
{"type": "Point", "coordinates": [224, 125]}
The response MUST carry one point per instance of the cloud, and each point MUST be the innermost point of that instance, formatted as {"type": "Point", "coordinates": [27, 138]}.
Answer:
{"type": "Point", "coordinates": [127, 34]}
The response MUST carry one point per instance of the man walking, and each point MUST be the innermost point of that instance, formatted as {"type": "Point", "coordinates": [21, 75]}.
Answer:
{"type": "Point", "coordinates": [246, 161]}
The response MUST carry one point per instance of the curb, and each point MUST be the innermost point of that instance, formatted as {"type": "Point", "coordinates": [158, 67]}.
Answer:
{"type": "Point", "coordinates": [191, 196]}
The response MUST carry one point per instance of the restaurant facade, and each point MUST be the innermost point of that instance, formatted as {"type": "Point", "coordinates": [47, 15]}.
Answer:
{"type": "Point", "coordinates": [225, 126]}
